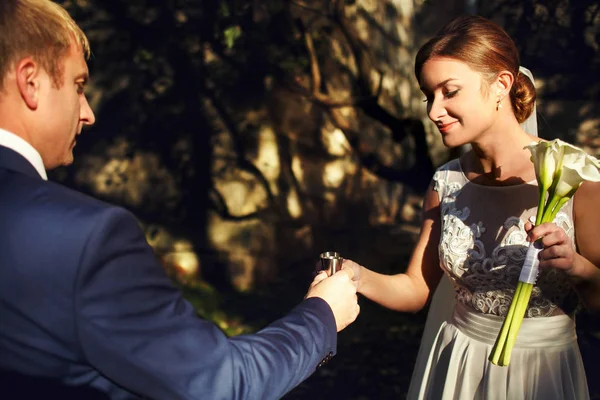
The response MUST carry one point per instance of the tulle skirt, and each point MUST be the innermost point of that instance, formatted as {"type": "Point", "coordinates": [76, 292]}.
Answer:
{"type": "Point", "coordinates": [545, 364]}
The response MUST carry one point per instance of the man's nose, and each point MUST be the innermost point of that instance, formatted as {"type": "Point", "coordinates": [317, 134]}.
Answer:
{"type": "Point", "coordinates": [87, 115]}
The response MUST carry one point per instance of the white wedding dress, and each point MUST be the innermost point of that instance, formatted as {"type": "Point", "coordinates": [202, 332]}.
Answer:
{"type": "Point", "coordinates": [482, 248]}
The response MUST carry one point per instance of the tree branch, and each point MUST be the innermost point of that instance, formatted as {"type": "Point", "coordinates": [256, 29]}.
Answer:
{"type": "Point", "coordinates": [242, 162]}
{"type": "Point", "coordinates": [315, 94]}
{"type": "Point", "coordinates": [367, 101]}
{"type": "Point", "coordinates": [302, 5]}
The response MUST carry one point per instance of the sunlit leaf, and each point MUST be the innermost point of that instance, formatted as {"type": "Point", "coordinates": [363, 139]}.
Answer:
{"type": "Point", "coordinates": [231, 34]}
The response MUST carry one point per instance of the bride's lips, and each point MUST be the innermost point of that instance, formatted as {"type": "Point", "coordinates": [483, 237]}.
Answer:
{"type": "Point", "coordinates": [446, 127]}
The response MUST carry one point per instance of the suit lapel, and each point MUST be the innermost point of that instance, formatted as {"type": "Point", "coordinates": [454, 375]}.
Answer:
{"type": "Point", "coordinates": [11, 160]}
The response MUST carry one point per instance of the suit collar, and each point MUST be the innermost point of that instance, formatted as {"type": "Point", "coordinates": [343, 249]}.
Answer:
{"type": "Point", "coordinates": [11, 160]}
{"type": "Point", "coordinates": [21, 146]}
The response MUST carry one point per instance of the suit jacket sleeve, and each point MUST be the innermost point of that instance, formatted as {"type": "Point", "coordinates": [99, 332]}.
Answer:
{"type": "Point", "coordinates": [137, 330]}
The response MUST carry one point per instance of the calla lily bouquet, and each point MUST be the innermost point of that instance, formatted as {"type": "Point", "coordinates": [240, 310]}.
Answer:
{"type": "Point", "coordinates": [560, 169]}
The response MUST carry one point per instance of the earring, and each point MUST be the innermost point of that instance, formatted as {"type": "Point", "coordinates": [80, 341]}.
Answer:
{"type": "Point", "coordinates": [498, 104]}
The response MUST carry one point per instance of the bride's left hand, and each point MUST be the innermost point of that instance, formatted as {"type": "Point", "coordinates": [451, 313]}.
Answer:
{"type": "Point", "coordinates": [558, 249]}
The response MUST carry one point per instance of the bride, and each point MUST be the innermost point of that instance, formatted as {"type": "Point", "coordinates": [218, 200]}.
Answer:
{"type": "Point", "coordinates": [442, 302]}
{"type": "Point", "coordinates": [476, 229]}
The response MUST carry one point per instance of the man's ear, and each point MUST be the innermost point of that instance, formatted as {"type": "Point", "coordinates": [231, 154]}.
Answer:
{"type": "Point", "coordinates": [504, 83]}
{"type": "Point", "coordinates": [28, 81]}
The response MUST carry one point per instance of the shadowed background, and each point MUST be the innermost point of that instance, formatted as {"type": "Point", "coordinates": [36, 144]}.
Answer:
{"type": "Point", "coordinates": [249, 136]}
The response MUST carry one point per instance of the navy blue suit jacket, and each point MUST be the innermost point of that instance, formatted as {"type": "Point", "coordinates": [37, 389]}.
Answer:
{"type": "Point", "coordinates": [86, 310]}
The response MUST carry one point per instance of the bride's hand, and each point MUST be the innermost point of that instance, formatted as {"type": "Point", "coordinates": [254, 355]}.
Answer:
{"type": "Point", "coordinates": [558, 249]}
{"type": "Point", "coordinates": [356, 269]}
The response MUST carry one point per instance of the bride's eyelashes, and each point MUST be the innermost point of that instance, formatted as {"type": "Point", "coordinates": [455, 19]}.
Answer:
{"type": "Point", "coordinates": [451, 94]}
{"type": "Point", "coordinates": [447, 95]}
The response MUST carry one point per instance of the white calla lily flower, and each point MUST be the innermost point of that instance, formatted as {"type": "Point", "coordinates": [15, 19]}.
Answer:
{"type": "Point", "coordinates": [575, 166]}
{"type": "Point", "coordinates": [545, 158]}
{"type": "Point", "coordinates": [574, 174]}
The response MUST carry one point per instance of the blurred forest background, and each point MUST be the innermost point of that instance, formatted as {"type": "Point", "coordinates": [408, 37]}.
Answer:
{"type": "Point", "coordinates": [248, 136]}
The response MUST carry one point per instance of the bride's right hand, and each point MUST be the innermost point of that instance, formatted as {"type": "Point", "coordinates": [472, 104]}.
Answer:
{"type": "Point", "coordinates": [356, 269]}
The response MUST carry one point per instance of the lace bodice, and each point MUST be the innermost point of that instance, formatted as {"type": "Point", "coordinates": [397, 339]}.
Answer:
{"type": "Point", "coordinates": [483, 244]}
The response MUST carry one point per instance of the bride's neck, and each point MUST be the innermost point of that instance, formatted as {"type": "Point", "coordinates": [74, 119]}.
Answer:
{"type": "Point", "coordinates": [500, 158]}
{"type": "Point", "coordinates": [501, 149]}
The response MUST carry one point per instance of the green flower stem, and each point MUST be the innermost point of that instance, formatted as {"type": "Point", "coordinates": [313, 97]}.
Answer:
{"type": "Point", "coordinates": [502, 350]}
{"type": "Point", "coordinates": [549, 209]}
{"type": "Point", "coordinates": [558, 207]}
{"type": "Point", "coordinates": [540, 209]}
{"type": "Point", "coordinates": [517, 319]}
{"type": "Point", "coordinates": [498, 348]}
{"type": "Point", "coordinates": [507, 338]}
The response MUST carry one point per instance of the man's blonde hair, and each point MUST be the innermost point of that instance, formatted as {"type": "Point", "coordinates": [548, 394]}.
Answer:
{"type": "Point", "coordinates": [41, 29]}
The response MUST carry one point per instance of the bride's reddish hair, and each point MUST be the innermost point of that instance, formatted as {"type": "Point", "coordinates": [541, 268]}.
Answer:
{"type": "Point", "coordinates": [486, 48]}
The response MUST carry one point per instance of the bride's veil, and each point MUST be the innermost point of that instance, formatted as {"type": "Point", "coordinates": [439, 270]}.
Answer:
{"type": "Point", "coordinates": [443, 299]}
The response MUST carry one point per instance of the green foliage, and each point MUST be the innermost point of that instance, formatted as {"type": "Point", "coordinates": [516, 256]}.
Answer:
{"type": "Point", "coordinates": [207, 302]}
{"type": "Point", "coordinates": [231, 34]}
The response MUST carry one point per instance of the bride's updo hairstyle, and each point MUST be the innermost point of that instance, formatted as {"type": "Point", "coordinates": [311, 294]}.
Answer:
{"type": "Point", "coordinates": [486, 48]}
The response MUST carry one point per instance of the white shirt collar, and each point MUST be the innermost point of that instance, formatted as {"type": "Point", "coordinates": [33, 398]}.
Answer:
{"type": "Point", "coordinates": [14, 142]}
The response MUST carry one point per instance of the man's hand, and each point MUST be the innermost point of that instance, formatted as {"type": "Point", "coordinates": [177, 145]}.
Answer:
{"type": "Point", "coordinates": [346, 264]}
{"type": "Point", "coordinates": [340, 293]}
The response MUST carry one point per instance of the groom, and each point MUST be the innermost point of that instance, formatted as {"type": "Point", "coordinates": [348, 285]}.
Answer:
{"type": "Point", "coordinates": [86, 311]}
